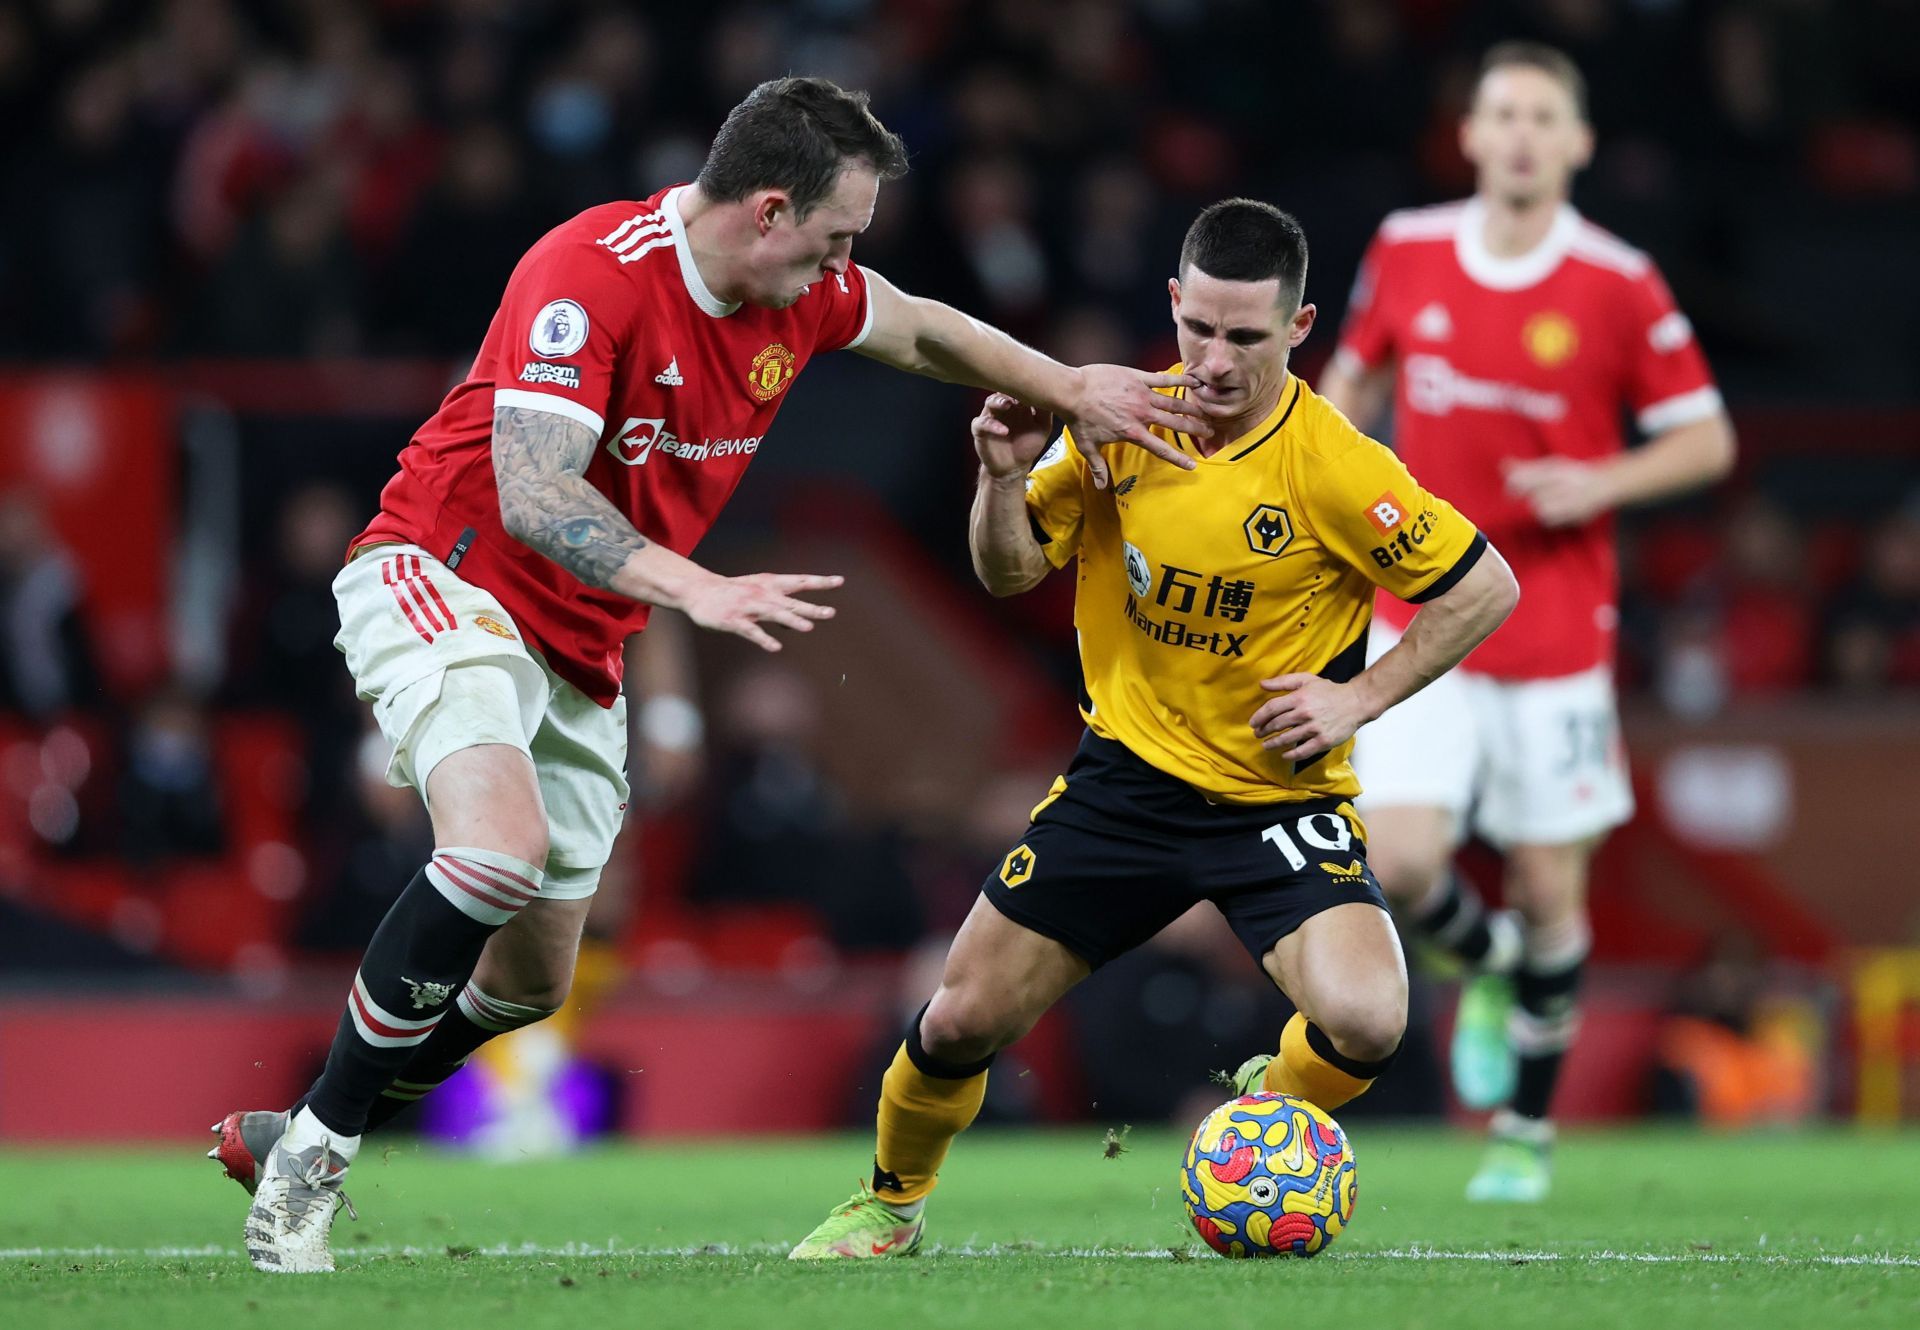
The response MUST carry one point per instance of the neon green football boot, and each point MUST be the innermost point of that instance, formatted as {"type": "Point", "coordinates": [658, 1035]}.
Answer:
{"type": "Point", "coordinates": [860, 1229]}
{"type": "Point", "coordinates": [1485, 1069]}
{"type": "Point", "coordinates": [1251, 1076]}
{"type": "Point", "coordinates": [1518, 1169]}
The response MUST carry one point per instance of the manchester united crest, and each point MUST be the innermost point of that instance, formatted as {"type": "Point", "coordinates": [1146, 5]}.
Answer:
{"type": "Point", "coordinates": [1550, 338]}
{"type": "Point", "coordinates": [771, 371]}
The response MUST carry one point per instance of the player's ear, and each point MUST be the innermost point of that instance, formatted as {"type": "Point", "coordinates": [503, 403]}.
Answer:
{"type": "Point", "coordinates": [1302, 324]}
{"type": "Point", "coordinates": [767, 207]}
{"type": "Point", "coordinates": [1583, 155]}
{"type": "Point", "coordinates": [1173, 294]}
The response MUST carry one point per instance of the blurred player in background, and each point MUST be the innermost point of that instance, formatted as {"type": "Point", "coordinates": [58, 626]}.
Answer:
{"type": "Point", "coordinates": [637, 360]}
{"type": "Point", "coordinates": [1510, 336]}
{"type": "Point", "coordinates": [1222, 616]}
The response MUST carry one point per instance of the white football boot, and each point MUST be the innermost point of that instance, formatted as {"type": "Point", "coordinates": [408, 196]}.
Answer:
{"type": "Point", "coordinates": [293, 1207]}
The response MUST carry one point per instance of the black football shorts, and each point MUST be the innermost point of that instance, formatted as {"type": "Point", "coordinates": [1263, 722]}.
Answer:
{"type": "Point", "coordinates": [1123, 849]}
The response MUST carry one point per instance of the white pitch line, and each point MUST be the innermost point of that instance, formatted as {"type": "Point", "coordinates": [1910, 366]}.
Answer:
{"type": "Point", "coordinates": [584, 1250]}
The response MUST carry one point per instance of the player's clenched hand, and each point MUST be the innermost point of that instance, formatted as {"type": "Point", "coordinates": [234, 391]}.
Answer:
{"type": "Point", "coordinates": [1010, 435]}
{"type": "Point", "coordinates": [1560, 490]}
{"type": "Point", "coordinates": [1309, 715]}
{"type": "Point", "coordinates": [739, 605]}
{"type": "Point", "coordinates": [1116, 402]}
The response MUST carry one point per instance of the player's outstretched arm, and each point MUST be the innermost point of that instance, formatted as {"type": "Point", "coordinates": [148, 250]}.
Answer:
{"type": "Point", "coordinates": [1009, 436]}
{"type": "Point", "coordinates": [1100, 403]}
{"type": "Point", "coordinates": [1312, 714]}
{"type": "Point", "coordinates": [546, 503]}
{"type": "Point", "coordinates": [1565, 491]}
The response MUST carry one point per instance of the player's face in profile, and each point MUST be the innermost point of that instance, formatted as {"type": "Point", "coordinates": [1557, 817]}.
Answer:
{"type": "Point", "coordinates": [795, 253]}
{"type": "Point", "coordinates": [1234, 337]}
{"type": "Point", "coordinates": [1525, 136]}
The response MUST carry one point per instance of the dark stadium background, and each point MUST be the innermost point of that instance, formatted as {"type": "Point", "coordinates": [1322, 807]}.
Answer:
{"type": "Point", "coordinates": [244, 247]}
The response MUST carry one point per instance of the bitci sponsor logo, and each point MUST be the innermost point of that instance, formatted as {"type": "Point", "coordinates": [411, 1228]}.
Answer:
{"type": "Point", "coordinates": [1386, 513]}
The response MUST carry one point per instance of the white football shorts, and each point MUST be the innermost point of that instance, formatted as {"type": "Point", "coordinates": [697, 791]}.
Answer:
{"type": "Point", "coordinates": [1523, 762]}
{"type": "Point", "coordinates": [445, 668]}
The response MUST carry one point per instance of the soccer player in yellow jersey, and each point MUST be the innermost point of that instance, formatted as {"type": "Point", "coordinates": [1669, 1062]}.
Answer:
{"type": "Point", "coordinates": [1222, 615]}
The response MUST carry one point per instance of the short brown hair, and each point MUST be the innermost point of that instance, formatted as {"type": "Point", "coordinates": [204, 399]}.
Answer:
{"type": "Point", "coordinates": [797, 134]}
{"type": "Point", "coordinates": [1245, 240]}
{"type": "Point", "coordinates": [1549, 60]}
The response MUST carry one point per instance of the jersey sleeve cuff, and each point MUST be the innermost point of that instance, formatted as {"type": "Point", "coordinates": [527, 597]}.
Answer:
{"type": "Point", "coordinates": [1058, 553]}
{"type": "Point", "coordinates": [1685, 409]}
{"type": "Point", "coordinates": [552, 405]}
{"type": "Point", "coordinates": [1449, 579]}
{"type": "Point", "coordinates": [866, 324]}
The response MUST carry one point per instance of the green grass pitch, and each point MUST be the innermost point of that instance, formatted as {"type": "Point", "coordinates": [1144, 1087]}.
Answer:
{"type": "Point", "coordinates": [1646, 1228]}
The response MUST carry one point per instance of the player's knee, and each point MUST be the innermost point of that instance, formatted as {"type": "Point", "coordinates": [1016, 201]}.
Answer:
{"type": "Point", "coordinates": [520, 837]}
{"type": "Point", "coordinates": [1367, 1026]}
{"type": "Point", "coordinates": [962, 1027]}
{"type": "Point", "coordinates": [487, 797]}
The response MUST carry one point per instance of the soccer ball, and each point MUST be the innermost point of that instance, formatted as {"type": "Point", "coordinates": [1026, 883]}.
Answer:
{"type": "Point", "coordinates": [1269, 1175]}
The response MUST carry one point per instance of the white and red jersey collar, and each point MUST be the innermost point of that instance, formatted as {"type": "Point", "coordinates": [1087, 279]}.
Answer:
{"type": "Point", "coordinates": [1516, 273]}
{"type": "Point", "coordinates": [697, 287]}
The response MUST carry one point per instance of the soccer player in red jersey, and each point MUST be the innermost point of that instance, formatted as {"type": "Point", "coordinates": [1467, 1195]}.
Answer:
{"type": "Point", "coordinates": [634, 368]}
{"type": "Point", "coordinates": [1510, 336]}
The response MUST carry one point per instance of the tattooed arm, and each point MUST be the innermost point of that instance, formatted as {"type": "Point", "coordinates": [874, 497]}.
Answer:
{"type": "Point", "coordinates": [539, 460]}
{"type": "Point", "coordinates": [546, 503]}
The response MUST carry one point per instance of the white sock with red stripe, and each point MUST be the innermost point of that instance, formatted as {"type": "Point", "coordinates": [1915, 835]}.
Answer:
{"type": "Point", "coordinates": [493, 1015]}
{"type": "Point", "coordinates": [487, 887]}
{"type": "Point", "coordinates": [422, 954]}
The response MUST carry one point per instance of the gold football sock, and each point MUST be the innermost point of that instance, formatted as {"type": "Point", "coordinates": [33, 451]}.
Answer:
{"type": "Point", "coordinates": [924, 1104]}
{"type": "Point", "coordinates": [1309, 1067]}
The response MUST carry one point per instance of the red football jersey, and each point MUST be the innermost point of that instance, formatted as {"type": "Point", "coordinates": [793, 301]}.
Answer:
{"type": "Point", "coordinates": [607, 321]}
{"type": "Point", "coordinates": [1503, 359]}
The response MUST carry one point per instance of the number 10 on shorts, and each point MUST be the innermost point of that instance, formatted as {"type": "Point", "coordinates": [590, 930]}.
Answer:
{"type": "Point", "coordinates": [1336, 836]}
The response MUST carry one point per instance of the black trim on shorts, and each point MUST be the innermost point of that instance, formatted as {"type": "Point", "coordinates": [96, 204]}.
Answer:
{"type": "Point", "coordinates": [1449, 579]}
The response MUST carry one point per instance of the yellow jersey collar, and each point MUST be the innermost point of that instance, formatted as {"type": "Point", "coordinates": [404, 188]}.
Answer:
{"type": "Point", "coordinates": [1260, 434]}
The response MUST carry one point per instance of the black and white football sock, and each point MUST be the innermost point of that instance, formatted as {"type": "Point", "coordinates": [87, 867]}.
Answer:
{"type": "Point", "coordinates": [1546, 1012]}
{"type": "Point", "coordinates": [476, 1017]}
{"type": "Point", "coordinates": [1454, 918]}
{"type": "Point", "coordinates": [421, 956]}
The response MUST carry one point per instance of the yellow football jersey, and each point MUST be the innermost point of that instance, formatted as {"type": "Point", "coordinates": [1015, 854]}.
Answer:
{"type": "Point", "coordinates": [1195, 585]}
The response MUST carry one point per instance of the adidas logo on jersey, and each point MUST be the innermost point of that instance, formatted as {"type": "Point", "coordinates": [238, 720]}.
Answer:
{"type": "Point", "coordinates": [670, 376]}
{"type": "Point", "coordinates": [1433, 323]}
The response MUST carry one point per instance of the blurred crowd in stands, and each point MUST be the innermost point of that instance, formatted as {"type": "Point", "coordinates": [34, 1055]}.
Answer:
{"type": "Point", "coordinates": [324, 177]}
{"type": "Point", "coordinates": [319, 178]}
